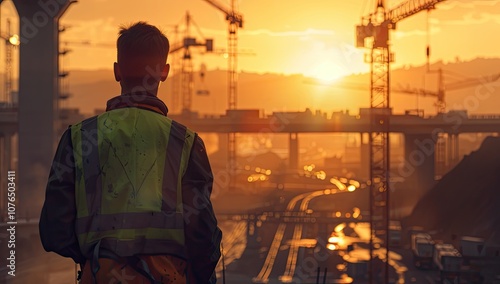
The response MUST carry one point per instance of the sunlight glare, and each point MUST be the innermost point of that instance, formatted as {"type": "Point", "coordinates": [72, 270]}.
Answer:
{"type": "Point", "coordinates": [326, 72]}
{"type": "Point", "coordinates": [328, 62]}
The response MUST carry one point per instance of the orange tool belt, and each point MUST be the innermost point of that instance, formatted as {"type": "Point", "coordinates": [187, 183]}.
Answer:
{"type": "Point", "coordinates": [147, 269]}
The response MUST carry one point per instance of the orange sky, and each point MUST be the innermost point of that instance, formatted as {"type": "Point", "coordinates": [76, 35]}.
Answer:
{"type": "Point", "coordinates": [314, 37]}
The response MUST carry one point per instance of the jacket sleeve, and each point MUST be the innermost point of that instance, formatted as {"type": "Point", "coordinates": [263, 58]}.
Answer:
{"type": "Point", "coordinates": [57, 220]}
{"type": "Point", "coordinates": [203, 236]}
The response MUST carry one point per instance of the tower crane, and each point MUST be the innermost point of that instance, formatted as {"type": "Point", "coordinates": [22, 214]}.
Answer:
{"type": "Point", "coordinates": [187, 81]}
{"type": "Point", "coordinates": [375, 26]}
{"type": "Point", "coordinates": [445, 161]}
{"type": "Point", "coordinates": [235, 21]}
{"type": "Point", "coordinates": [440, 103]}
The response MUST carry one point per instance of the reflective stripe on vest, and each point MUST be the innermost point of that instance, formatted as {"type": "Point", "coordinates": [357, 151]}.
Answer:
{"type": "Point", "coordinates": [129, 166]}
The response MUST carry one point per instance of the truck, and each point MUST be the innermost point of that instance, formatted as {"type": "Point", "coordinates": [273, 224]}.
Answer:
{"type": "Point", "coordinates": [422, 247]}
{"type": "Point", "coordinates": [473, 250]}
{"type": "Point", "coordinates": [448, 261]}
{"type": "Point", "coordinates": [472, 247]}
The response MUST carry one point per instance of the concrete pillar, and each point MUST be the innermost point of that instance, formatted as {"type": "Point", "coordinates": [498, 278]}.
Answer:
{"type": "Point", "coordinates": [449, 152]}
{"type": "Point", "coordinates": [7, 147]}
{"type": "Point", "coordinates": [3, 180]}
{"type": "Point", "coordinates": [222, 142]}
{"type": "Point", "coordinates": [5, 166]}
{"type": "Point", "coordinates": [456, 155]}
{"type": "Point", "coordinates": [453, 153]}
{"type": "Point", "coordinates": [223, 149]}
{"type": "Point", "coordinates": [364, 172]}
{"type": "Point", "coordinates": [293, 151]}
{"type": "Point", "coordinates": [419, 170]}
{"type": "Point", "coordinates": [38, 93]}
{"type": "Point", "coordinates": [441, 155]}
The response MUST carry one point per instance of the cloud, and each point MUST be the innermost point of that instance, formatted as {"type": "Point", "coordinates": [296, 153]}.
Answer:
{"type": "Point", "coordinates": [267, 32]}
{"type": "Point", "coordinates": [471, 12]}
{"type": "Point", "coordinates": [468, 4]}
{"type": "Point", "coordinates": [412, 33]}
{"type": "Point", "coordinates": [474, 18]}
{"type": "Point", "coordinates": [99, 30]}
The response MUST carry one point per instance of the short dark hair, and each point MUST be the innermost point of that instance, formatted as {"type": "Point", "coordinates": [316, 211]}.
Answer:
{"type": "Point", "coordinates": [140, 46]}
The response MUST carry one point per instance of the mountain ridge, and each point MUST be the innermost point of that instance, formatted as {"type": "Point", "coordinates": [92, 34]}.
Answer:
{"type": "Point", "coordinates": [271, 92]}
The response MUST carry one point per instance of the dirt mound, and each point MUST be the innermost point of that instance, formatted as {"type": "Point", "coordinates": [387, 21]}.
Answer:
{"type": "Point", "coordinates": [465, 201]}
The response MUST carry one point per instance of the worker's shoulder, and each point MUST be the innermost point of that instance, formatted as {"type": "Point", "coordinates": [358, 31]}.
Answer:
{"type": "Point", "coordinates": [85, 121]}
{"type": "Point", "coordinates": [181, 126]}
{"type": "Point", "coordinates": [189, 133]}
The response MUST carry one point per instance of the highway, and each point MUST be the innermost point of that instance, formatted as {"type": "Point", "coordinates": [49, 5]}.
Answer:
{"type": "Point", "coordinates": [295, 244]}
{"type": "Point", "coordinates": [51, 268]}
{"type": "Point", "coordinates": [297, 236]}
{"type": "Point", "coordinates": [400, 260]}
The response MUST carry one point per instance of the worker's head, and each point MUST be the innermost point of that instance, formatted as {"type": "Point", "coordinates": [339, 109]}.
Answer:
{"type": "Point", "coordinates": [142, 58]}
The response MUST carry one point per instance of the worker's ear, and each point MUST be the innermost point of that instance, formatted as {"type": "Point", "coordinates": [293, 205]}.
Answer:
{"type": "Point", "coordinates": [116, 70]}
{"type": "Point", "coordinates": [164, 72]}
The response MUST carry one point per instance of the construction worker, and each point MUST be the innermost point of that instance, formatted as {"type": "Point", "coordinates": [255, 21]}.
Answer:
{"type": "Point", "coordinates": [128, 196]}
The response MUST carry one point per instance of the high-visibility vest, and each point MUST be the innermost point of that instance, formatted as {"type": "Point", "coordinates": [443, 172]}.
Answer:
{"type": "Point", "coordinates": [129, 164]}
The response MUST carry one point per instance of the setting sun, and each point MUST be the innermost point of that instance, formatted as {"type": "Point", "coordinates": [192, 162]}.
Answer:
{"type": "Point", "coordinates": [328, 62]}
{"type": "Point", "coordinates": [325, 72]}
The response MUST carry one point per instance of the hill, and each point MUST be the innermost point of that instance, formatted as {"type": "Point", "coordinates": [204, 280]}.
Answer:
{"type": "Point", "coordinates": [273, 92]}
{"type": "Point", "coordinates": [466, 200]}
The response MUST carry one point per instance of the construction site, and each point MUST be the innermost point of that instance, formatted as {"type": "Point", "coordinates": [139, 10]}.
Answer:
{"type": "Point", "coordinates": [393, 181]}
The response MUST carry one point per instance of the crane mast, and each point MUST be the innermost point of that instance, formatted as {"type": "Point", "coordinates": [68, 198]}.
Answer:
{"type": "Point", "coordinates": [186, 69]}
{"type": "Point", "coordinates": [235, 21]}
{"type": "Point", "coordinates": [177, 72]}
{"type": "Point", "coordinates": [376, 27]}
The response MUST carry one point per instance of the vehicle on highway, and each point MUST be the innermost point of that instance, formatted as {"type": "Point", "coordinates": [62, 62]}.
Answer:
{"type": "Point", "coordinates": [448, 261]}
{"type": "Point", "coordinates": [473, 250]}
{"type": "Point", "coordinates": [422, 247]}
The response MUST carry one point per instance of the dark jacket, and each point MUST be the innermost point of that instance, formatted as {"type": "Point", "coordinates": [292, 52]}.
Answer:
{"type": "Point", "coordinates": [203, 237]}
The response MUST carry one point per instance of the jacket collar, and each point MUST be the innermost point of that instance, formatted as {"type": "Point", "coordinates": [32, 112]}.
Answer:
{"type": "Point", "coordinates": [139, 100]}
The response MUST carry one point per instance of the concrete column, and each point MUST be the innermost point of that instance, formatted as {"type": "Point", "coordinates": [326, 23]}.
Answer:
{"type": "Point", "coordinates": [365, 161]}
{"type": "Point", "coordinates": [419, 170]}
{"type": "Point", "coordinates": [456, 155]}
{"type": "Point", "coordinates": [6, 165]}
{"type": "Point", "coordinates": [3, 180]}
{"type": "Point", "coordinates": [293, 151]}
{"type": "Point", "coordinates": [38, 93]}
{"type": "Point", "coordinates": [449, 152]}
{"type": "Point", "coordinates": [223, 149]}
{"type": "Point", "coordinates": [7, 147]}
{"type": "Point", "coordinates": [441, 160]}
{"type": "Point", "coordinates": [453, 150]}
